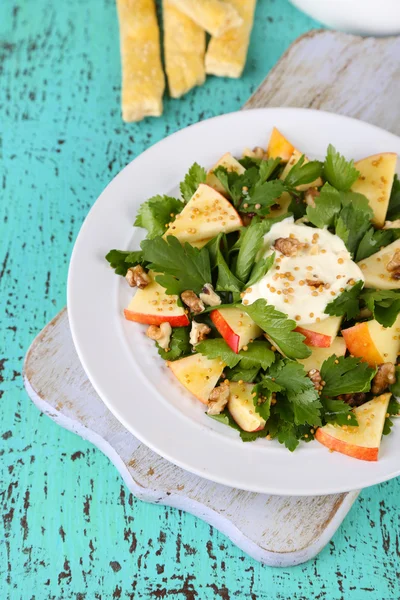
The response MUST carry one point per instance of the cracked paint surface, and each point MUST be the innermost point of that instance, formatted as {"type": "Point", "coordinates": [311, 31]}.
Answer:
{"type": "Point", "coordinates": [70, 529]}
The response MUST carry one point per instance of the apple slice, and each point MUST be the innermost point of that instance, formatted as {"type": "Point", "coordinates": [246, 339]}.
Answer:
{"type": "Point", "coordinates": [241, 407]}
{"type": "Point", "coordinates": [292, 161]}
{"type": "Point", "coordinates": [319, 355]}
{"type": "Point", "coordinates": [152, 306]}
{"type": "Point", "coordinates": [235, 326]}
{"type": "Point", "coordinates": [279, 146]}
{"type": "Point", "coordinates": [375, 182]}
{"type": "Point", "coordinates": [198, 374]}
{"type": "Point", "coordinates": [372, 342]}
{"type": "Point", "coordinates": [230, 164]}
{"type": "Point", "coordinates": [374, 268]}
{"type": "Point", "coordinates": [320, 334]}
{"type": "Point", "coordinates": [206, 215]}
{"type": "Point", "coordinates": [360, 442]}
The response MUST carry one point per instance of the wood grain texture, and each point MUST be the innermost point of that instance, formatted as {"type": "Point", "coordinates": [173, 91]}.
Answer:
{"type": "Point", "coordinates": [70, 528]}
{"type": "Point", "coordinates": [275, 530]}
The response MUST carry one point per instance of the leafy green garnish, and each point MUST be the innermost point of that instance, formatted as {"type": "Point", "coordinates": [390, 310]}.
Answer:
{"type": "Point", "coordinates": [250, 242]}
{"type": "Point", "coordinates": [338, 411]}
{"type": "Point", "coordinates": [156, 213]}
{"type": "Point", "coordinates": [179, 344]}
{"type": "Point", "coordinates": [246, 436]}
{"type": "Point", "coordinates": [339, 172]}
{"type": "Point", "coordinates": [257, 355]}
{"type": "Point", "coordinates": [347, 303]}
{"type": "Point", "coordinates": [300, 392]}
{"type": "Point", "coordinates": [384, 305]}
{"type": "Point", "coordinates": [193, 178]}
{"type": "Point", "coordinates": [227, 281]}
{"type": "Point", "coordinates": [353, 220]}
{"type": "Point", "coordinates": [182, 267]}
{"type": "Point", "coordinates": [279, 329]}
{"type": "Point", "coordinates": [240, 374]}
{"type": "Point", "coordinates": [327, 205]}
{"type": "Point", "coordinates": [393, 411]}
{"type": "Point", "coordinates": [261, 268]}
{"type": "Point", "coordinates": [393, 211]}
{"type": "Point", "coordinates": [346, 376]}
{"type": "Point", "coordinates": [395, 388]}
{"type": "Point", "coordinates": [285, 432]}
{"type": "Point", "coordinates": [261, 197]}
{"type": "Point", "coordinates": [301, 174]}
{"type": "Point", "coordinates": [372, 241]}
{"type": "Point", "coordinates": [122, 260]}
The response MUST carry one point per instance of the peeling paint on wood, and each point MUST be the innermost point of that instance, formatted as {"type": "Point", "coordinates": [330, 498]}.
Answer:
{"type": "Point", "coordinates": [62, 141]}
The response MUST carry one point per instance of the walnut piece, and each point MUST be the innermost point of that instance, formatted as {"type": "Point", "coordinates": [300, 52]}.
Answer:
{"type": "Point", "coordinates": [385, 376]}
{"type": "Point", "coordinates": [393, 265]}
{"type": "Point", "coordinates": [193, 302]}
{"type": "Point", "coordinates": [257, 152]}
{"type": "Point", "coordinates": [314, 283]}
{"type": "Point", "coordinates": [208, 296]}
{"type": "Point", "coordinates": [137, 276]}
{"type": "Point", "coordinates": [353, 399]}
{"type": "Point", "coordinates": [310, 195]}
{"type": "Point", "coordinates": [161, 334]}
{"type": "Point", "coordinates": [198, 332]}
{"type": "Point", "coordinates": [288, 246]}
{"type": "Point", "coordinates": [218, 399]}
{"type": "Point", "coordinates": [316, 378]}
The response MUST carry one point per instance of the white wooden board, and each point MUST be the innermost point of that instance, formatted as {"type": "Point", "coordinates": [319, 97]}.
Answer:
{"type": "Point", "coordinates": [325, 70]}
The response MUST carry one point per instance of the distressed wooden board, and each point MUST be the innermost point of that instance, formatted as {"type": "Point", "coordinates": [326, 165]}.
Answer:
{"type": "Point", "coordinates": [290, 97]}
{"type": "Point", "coordinates": [274, 530]}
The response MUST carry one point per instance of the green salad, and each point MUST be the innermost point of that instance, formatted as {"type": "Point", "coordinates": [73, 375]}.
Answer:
{"type": "Point", "coordinates": [272, 289]}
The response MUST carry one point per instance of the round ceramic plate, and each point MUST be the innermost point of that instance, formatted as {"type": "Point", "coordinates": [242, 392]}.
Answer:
{"type": "Point", "coordinates": [122, 363]}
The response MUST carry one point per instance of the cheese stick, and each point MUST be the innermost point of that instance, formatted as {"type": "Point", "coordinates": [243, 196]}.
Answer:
{"type": "Point", "coordinates": [143, 80]}
{"type": "Point", "coordinates": [184, 48]}
{"type": "Point", "coordinates": [215, 16]}
{"type": "Point", "coordinates": [226, 55]}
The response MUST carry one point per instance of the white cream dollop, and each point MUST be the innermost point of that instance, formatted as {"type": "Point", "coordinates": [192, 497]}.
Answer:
{"type": "Point", "coordinates": [323, 258]}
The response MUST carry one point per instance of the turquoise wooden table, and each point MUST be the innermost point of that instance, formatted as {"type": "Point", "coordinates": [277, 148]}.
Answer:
{"type": "Point", "coordinates": [70, 528]}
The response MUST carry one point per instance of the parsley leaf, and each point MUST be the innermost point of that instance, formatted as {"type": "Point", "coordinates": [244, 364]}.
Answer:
{"type": "Point", "coordinates": [265, 195]}
{"type": "Point", "coordinates": [300, 392]}
{"type": "Point", "coordinates": [257, 355]}
{"type": "Point", "coordinates": [353, 220]}
{"type": "Point", "coordinates": [267, 168]}
{"type": "Point", "coordinates": [338, 411]}
{"type": "Point", "coordinates": [384, 305]}
{"type": "Point", "coordinates": [179, 344]}
{"type": "Point", "coordinates": [301, 173]}
{"type": "Point", "coordinates": [182, 267]}
{"type": "Point", "coordinates": [193, 178]}
{"type": "Point", "coordinates": [279, 329]}
{"type": "Point", "coordinates": [240, 374]}
{"type": "Point", "coordinates": [338, 171]}
{"type": "Point", "coordinates": [218, 348]}
{"type": "Point", "coordinates": [261, 268]}
{"type": "Point", "coordinates": [372, 241]}
{"type": "Point", "coordinates": [327, 206]}
{"type": "Point", "coordinates": [393, 411]}
{"type": "Point", "coordinates": [346, 376]}
{"type": "Point", "coordinates": [393, 211]}
{"type": "Point", "coordinates": [231, 182]}
{"type": "Point", "coordinates": [122, 260]}
{"type": "Point", "coordinates": [284, 431]}
{"type": "Point", "coordinates": [227, 281]}
{"type": "Point", "coordinates": [251, 240]}
{"type": "Point", "coordinates": [395, 388]}
{"type": "Point", "coordinates": [154, 214]}
{"type": "Point", "coordinates": [347, 303]}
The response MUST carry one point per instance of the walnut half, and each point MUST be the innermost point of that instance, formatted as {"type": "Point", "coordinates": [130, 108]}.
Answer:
{"type": "Point", "coordinates": [161, 335]}
{"type": "Point", "coordinates": [393, 265]}
{"type": "Point", "coordinates": [218, 399]}
{"type": "Point", "coordinates": [198, 332]}
{"type": "Point", "coordinates": [193, 302]}
{"type": "Point", "coordinates": [288, 246]}
{"type": "Point", "coordinates": [385, 376]}
{"type": "Point", "coordinates": [137, 276]}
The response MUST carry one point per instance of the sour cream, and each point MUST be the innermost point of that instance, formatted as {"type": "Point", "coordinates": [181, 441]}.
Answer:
{"type": "Point", "coordinates": [303, 284]}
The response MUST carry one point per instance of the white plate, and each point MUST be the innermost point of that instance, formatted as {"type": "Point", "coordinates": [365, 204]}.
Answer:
{"type": "Point", "coordinates": [362, 17]}
{"type": "Point", "coordinates": [122, 363]}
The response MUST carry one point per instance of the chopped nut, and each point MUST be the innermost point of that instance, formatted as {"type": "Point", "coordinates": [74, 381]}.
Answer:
{"type": "Point", "coordinates": [257, 152]}
{"type": "Point", "coordinates": [198, 332]}
{"type": "Point", "coordinates": [218, 399]}
{"type": "Point", "coordinates": [393, 265]}
{"type": "Point", "coordinates": [310, 196]}
{"type": "Point", "coordinates": [316, 378]}
{"type": "Point", "coordinates": [314, 282]}
{"type": "Point", "coordinates": [353, 399]}
{"type": "Point", "coordinates": [385, 376]}
{"type": "Point", "coordinates": [208, 296]}
{"type": "Point", "coordinates": [161, 334]}
{"type": "Point", "coordinates": [137, 276]}
{"type": "Point", "coordinates": [288, 246]}
{"type": "Point", "coordinates": [192, 301]}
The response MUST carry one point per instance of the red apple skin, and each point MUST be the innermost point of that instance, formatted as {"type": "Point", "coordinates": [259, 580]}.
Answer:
{"type": "Point", "coordinates": [231, 338]}
{"type": "Point", "coordinates": [369, 454]}
{"type": "Point", "coordinates": [177, 321]}
{"type": "Point", "coordinates": [320, 340]}
{"type": "Point", "coordinates": [359, 343]}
